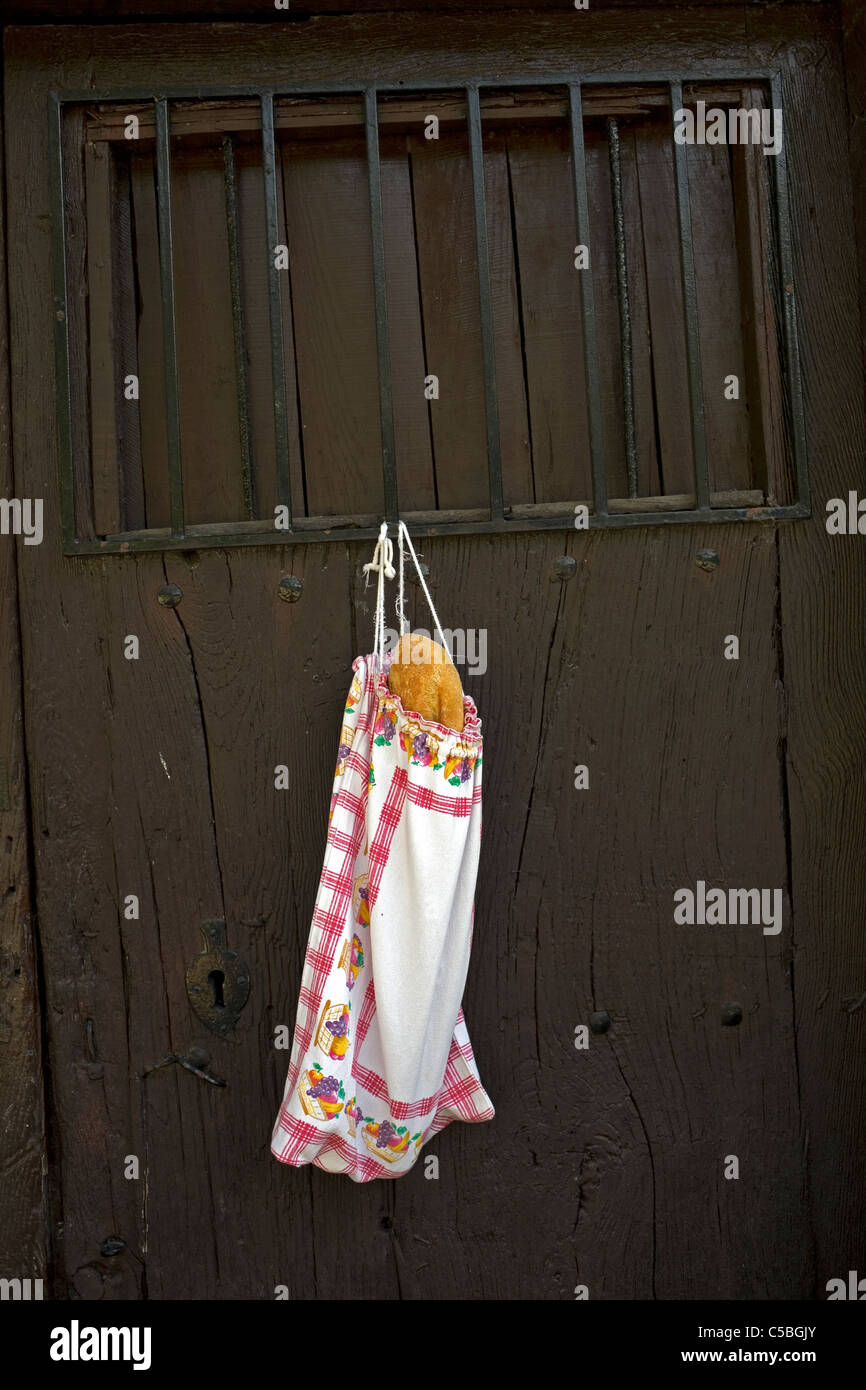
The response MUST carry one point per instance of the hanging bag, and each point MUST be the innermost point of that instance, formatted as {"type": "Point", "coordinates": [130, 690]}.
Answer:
{"type": "Point", "coordinates": [381, 1058]}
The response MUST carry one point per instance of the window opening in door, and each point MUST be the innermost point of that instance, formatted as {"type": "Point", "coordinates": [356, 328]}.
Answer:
{"type": "Point", "coordinates": [284, 314]}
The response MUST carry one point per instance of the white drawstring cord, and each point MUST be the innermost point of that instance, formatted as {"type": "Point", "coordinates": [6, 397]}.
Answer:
{"type": "Point", "coordinates": [401, 532]}
{"type": "Point", "coordinates": [381, 564]}
{"type": "Point", "coordinates": [401, 616]}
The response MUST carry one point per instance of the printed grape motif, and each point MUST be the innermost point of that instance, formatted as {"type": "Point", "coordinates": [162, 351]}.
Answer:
{"type": "Point", "coordinates": [328, 1087]}
{"type": "Point", "coordinates": [385, 1135]}
{"type": "Point", "coordinates": [395, 1138]}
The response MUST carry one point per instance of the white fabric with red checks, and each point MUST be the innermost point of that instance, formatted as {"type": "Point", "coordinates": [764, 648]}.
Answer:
{"type": "Point", "coordinates": [381, 1058]}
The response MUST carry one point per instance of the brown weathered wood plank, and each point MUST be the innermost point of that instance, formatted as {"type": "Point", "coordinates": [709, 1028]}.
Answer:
{"type": "Point", "coordinates": [75, 209]}
{"type": "Point", "coordinates": [100, 196]}
{"type": "Point", "coordinates": [665, 297]}
{"type": "Point", "coordinates": [854, 48]}
{"type": "Point", "coordinates": [316, 118]}
{"type": "Point", "coordinates": [648, 477]}
{"type": "Point", "coordinates": [84, 11]}
{"type": "Point", "coordinates": [720, 316]}
{"type": "Point", "coordinates": [770, 469]}
{"type": "Point", "coordinates": [445, 231]}
{"type": "Point", "coordinates": [25, 1212]}
{"type": "Point", "coordinates": [507, 333]}
{"type": "Point", "coordinates": [667, 1092]}
{"type": "Point", "coordinates": [254, 257]}
{"type": "Point", "coordinates": [328, 231]}
{"type": "Point", "coordinates": [544, 218]}
{"type": "Point", "coordinates": [130, 481]}
{"type": "Point", "coordinates": [412, 422]}
{"type": "Point", "coordinates": [207, 387]}
{"type": "Point", "coordinates": [821, 580]}
{"type": "Point", "coordinates": [151, 379]}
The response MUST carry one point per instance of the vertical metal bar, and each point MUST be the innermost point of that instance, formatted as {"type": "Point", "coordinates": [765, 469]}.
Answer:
{"type": "Point", "coordinates": [61, 323]}
{"type": "Point", "coordinates": [485, 297]}
{"type": "Point", "coordinates": [383, 346]}
{"type": "Point", "coordinates": [238, 325]}
{"type": "Point", "coordinates": [587, 305]}
{"type": "Point", "coordinates": [690, 305]}
{"type": "Point", "coordinates": [275, 303]}
{"type": "Point", "coordinates": [169, 329]}
{"type": "Point", "coordinates": [624, 304]}
{"type": "Point", "coordinates": [789, 305]}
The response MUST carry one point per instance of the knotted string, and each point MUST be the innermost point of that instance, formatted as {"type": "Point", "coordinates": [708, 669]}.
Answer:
{"type": "Point", "coordinates": [381, 564]}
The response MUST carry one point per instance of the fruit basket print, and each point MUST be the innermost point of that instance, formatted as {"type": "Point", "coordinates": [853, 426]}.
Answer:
{"type": "Point", "coordinates": [333, 1033]}
{"type": "Point", "coordinates": [360, 901]}
{"type": "Point", "coordinates": [321, 1096]}
{"type": "Point", "coordinates": [389, 1142]}
{"type": "Point", "coordinates": [352, 960]}
{"type": "Point", "coordinates": [354, 1113]}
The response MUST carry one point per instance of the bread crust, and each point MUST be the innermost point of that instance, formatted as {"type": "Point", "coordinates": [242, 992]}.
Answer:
{"type": "Point", "coordinates": [425, 679]}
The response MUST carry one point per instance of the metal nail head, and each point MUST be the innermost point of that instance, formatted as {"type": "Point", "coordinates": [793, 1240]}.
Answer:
{"type": "Point", "coordinates": [707, 559]}
{"type": "Point", "coordinates": [290, 588]}
{"type": "Point", "coordinates": [564, 568]}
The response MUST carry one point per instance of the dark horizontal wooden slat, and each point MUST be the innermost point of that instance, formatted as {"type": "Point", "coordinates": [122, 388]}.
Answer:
{"type": "Point", "coordinates": [323, 114]}
{"type": "Point", "coordinates": [259, 11]}
{"type": "Point", "coordinates": [672, 509]}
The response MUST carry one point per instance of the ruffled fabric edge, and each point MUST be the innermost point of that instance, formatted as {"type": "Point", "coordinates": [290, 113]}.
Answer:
{"type": "Point", "coordinates": [471, 735]}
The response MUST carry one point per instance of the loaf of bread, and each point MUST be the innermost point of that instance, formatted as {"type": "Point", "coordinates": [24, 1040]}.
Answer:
{"type": "Point", "coordinates": [425, 679]}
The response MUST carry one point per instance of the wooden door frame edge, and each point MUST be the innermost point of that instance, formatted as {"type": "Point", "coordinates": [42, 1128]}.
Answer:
{"type": "Point", "coordinates": [25, 1225]}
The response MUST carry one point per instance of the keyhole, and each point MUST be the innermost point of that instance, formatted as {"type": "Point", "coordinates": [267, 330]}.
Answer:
{"type": "Point", "coordinates": [216, 980]}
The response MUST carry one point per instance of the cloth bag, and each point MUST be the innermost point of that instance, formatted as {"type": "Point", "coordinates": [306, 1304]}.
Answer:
{"type": "Point", "coordinates": [381, 1058]}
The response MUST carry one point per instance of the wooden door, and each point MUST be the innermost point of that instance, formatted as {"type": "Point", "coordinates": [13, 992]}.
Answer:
{"type": "Point", "coordinates": [154, 778]}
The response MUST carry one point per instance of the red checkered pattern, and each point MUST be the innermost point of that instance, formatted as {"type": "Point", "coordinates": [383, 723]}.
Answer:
{"type": "Point", "coordinates": [298, 1137]}
{"type": "Point", "coordinates": [429, 800]}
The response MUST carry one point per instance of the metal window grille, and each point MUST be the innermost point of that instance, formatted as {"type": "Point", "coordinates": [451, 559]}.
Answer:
{"type": "Point", "coordinates": [701, 507]}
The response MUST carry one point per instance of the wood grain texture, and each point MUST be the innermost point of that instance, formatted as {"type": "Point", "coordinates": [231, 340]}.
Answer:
{"type": "Point", "coordinates": [124, 277]}
{"type": "Point", "coordinates": [720, 316]}
{"type": "Point", "coordinates": [671, 1091]}
{"type": "Point", "coordinates": [252, 239]}
{"type": "Point", "coordinates": [822, 618]}
{"type": "Point", "coordinates": [509, 344]}
{"type": "Point", "coordinates": [538, 338]}
{"type": "Point", "coordinates": [72, 147]}
{"type": "Point", "coordinates": [544, 224]}
{"type": "Point", "coordinates": [643, 365]}
{"type": "Point", "coordinates": [854, 50]}
{"type": "Point", "coordinates": [416, 484]}
{"type": "Point", "coordinates": [100, 199]}
{"type": "Point", "coordinates": [602, 1167]}
{"type": "Point", "coordinates": [328, 234]}
{"type": "Point", "coordinates": [345, 48]}
{"type": "Point", "coordinates": [207, 385]}
{"type": "Point", "coordinates": [769, 447]}
{"type": "Point", "coordinates": [82, 11]}
{"type": "Point", "coordinates": [666, 311]}
{"type": "Point", "coordinates": [26, 1214]}
{"type": "Point", "coordinates": [151, 378]}
{"type": "Point", "coordinates": [445, 231]}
